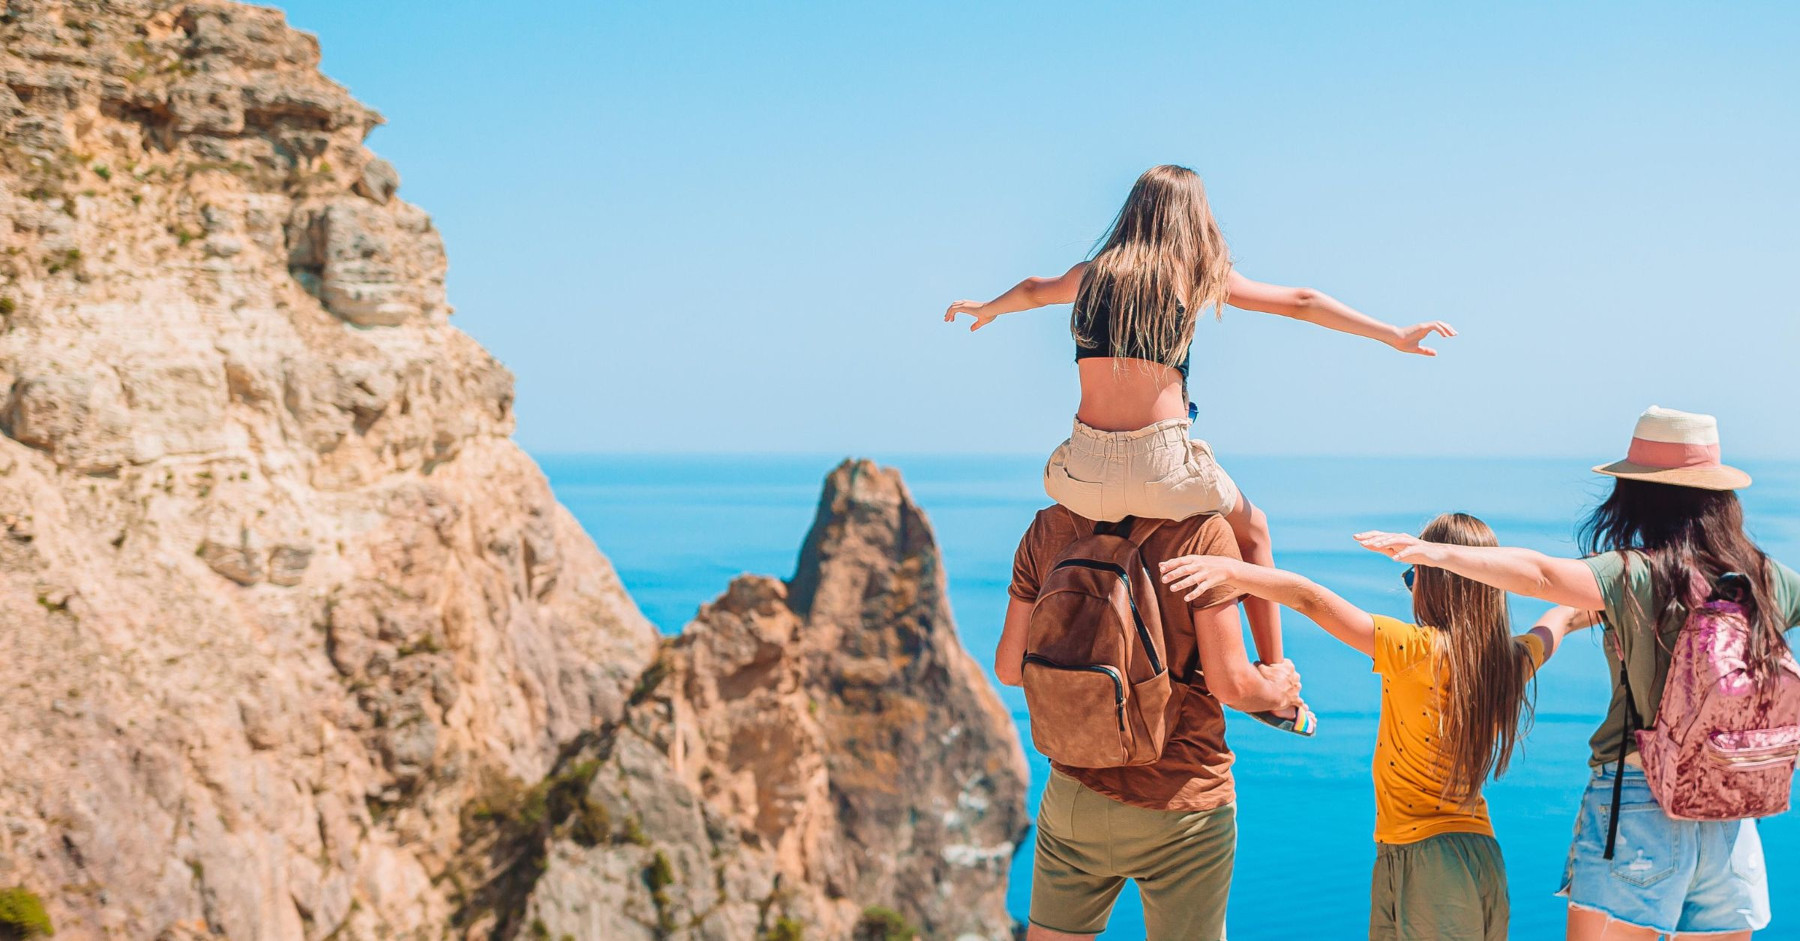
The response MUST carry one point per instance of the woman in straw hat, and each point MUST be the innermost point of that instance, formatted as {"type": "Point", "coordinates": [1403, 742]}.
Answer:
{"type": "Point", "coordinates": [1670, 529]}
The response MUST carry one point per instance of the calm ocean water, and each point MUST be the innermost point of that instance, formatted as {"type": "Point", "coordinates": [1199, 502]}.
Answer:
{"type": "Point", "coordinates": [678, 528]}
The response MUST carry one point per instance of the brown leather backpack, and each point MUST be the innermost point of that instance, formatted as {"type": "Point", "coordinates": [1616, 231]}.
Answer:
{"type": "Point", "coordinates": [1096, 671]}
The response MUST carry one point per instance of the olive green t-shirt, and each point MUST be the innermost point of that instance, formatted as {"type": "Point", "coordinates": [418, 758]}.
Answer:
{"type": "Point", "coordinates": [1629, 599]}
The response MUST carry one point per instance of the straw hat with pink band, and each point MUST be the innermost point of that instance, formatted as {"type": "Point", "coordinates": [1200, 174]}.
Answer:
{"type": "Point", "coordinates": [1680, 448]}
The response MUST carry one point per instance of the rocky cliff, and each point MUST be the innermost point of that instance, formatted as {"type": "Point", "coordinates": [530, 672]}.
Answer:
{"type": "Point", "coordinates": [295, 643]}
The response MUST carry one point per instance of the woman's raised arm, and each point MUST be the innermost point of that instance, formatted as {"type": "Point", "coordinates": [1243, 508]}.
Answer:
{"type": "Point", "coordinates": [1520, 571]}
{"type": "Point", "coordinates": [1028, 294]}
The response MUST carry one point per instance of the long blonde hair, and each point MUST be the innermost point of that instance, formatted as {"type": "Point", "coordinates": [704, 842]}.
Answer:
{"type": "Point", "coordinates": [1484, 677]}
{"type": "Point", "coordinates": [1162, 262]}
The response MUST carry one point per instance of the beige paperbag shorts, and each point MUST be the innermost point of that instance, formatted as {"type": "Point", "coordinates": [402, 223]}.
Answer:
{"type": "Point", "coordinates": [1155, 472]}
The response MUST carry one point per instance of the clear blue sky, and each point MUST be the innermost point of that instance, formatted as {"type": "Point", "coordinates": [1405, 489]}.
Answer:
{"type": "Point", "coordinates": [704, 226]}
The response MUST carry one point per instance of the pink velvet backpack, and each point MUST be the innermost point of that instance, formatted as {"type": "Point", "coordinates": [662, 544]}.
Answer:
{"type": "Point", "coordinates": [1723, 746]}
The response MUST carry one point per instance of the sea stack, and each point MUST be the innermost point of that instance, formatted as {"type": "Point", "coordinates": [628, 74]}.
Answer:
{"type": "Point", "coordinates": [820, 754]}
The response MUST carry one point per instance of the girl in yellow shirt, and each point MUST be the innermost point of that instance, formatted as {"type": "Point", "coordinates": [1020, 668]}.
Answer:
{"type": "Point", "coordinates": [1455, 690]}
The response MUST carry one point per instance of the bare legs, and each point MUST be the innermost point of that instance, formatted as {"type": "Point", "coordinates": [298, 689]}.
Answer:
{"type": "Point", "coordinates": [1587, 925]}
{"type": "Point", "coordinates": [1251, 528]}
{"type": "Point", "coordinates": [1040, 933]}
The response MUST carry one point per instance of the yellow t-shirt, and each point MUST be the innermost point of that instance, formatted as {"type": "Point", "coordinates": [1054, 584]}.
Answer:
{"type": "Point", "coordinates": [1410, 770]}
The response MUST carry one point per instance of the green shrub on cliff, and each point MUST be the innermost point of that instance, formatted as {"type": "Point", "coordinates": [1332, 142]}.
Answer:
{"type": "Point", "coordinates": [785, 929]}
{"type": "Point", "coordinates": [22, 914]}
{"type": "Point", "coordinates": [883, 924]}
{"type": "Point", "coordinates": [658, 876]}
{"type": "Point", "coordinates": [512, 822]}
{"type": "Point", "coordinates": [536, 810]}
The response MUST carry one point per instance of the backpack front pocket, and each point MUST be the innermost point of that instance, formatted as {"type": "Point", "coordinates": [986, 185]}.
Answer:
{"type": "Point", "coordinates": [1754, 749]}
{"type": "Point", "coordinates": [1077, 712]}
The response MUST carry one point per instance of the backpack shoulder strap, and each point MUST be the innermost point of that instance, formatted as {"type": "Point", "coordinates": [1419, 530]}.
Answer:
{"type": "Point", "coordinates": [1631, 724]}
{"type": "Point", "coordinates": [1132, 528]}
{"type": "Point", "coordinates": [1135, 531]}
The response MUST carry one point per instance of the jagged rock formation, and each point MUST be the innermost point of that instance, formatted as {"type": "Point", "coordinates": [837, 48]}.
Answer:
{"type": "Point", "coordinates": [801, 753]}
{"type": "Point", "coordinates": [295, 643]}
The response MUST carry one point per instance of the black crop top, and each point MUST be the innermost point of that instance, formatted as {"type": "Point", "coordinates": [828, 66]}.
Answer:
{"type": "Point", "coordinates": [1103, 329]}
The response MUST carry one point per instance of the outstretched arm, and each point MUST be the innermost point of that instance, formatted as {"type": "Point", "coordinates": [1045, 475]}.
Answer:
{"type": "Point", "coordinates": [1196, 574]}
{"type": "Point", "coordinates": [1028, 294]}
{"type": "Point", "coordinates": [1520, 571]}
{"type": "Point", "coordinates": [1329, 312]}
{"type": "Point", "coordinates": [1560, 622]}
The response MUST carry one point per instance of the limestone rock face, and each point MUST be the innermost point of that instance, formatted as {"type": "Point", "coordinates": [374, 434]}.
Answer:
{"type": "Point", "coordinates": [277, 593]}
{"type": "Point", "coordinates": [295, 643]}
{"type": "Point", "coordinates": [802, 753]}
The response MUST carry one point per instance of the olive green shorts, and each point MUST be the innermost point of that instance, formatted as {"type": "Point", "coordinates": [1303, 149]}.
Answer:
{"type": "Point", "coordinates": [1089, 844]}
{"type": "Point", "coordinates": [1452, 885]}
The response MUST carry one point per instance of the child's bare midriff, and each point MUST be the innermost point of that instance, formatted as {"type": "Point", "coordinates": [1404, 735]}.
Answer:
{"type": "Point", "coordinates": [1128, 394]}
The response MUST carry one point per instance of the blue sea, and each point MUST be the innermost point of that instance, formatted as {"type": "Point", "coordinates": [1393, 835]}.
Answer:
{"type": "Point", "coordinates": [679, 528]}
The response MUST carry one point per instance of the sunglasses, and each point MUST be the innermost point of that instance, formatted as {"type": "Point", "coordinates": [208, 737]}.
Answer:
{"type": "Point", "coordinates": [1409, 576]}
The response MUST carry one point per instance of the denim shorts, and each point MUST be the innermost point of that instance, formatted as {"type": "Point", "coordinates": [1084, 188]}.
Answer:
{"type": "Point", "coordinates": [1687, 876]}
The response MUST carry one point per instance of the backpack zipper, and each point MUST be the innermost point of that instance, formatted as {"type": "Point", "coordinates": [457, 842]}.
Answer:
{"type": "Point", "coordinates": [1130, 599]}
{"type": "Point", "coordinates": [1109, 672]}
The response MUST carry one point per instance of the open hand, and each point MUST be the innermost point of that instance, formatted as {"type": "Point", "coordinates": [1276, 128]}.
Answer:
{"type": "Point", "coordinates": [1400, 547]}
{"type": "Point", "coordinates": [975, 309]}
{"type": "Point", "coordinates": [1410, 337]}
{"type": "Point", "coordinates": [1197, 574]}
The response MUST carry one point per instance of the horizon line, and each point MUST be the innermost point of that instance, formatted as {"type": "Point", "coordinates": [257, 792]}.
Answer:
{"type": "Point", "coordinates": [1587, 461]}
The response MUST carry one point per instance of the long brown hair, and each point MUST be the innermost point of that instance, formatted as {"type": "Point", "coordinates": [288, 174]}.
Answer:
{"type": "Point", "coordinates": [1690, 537]}
{"type": "Point", "coordinates": [1487, 686]}
{"type": "Point", "coordinates": [1162, 262]}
